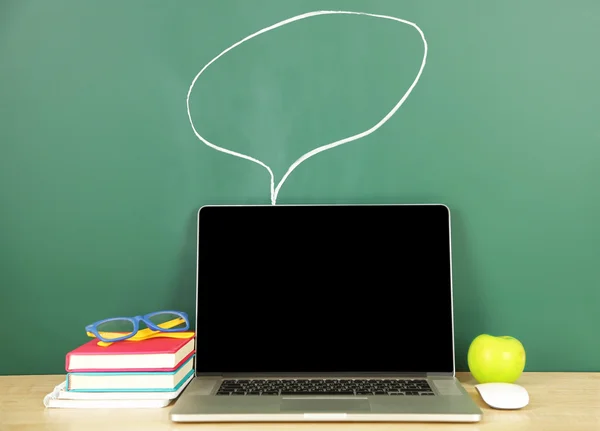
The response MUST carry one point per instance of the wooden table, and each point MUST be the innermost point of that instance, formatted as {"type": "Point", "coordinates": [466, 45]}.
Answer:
{"type": "Point", "coordinates": [558, 401]}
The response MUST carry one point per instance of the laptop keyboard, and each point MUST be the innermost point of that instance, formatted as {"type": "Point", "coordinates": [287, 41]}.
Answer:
{"type": "Point", "coordinates": [401, 387]}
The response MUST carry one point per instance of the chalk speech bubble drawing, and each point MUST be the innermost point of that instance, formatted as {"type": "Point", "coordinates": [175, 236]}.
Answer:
{"type": "Point", "coordinates": [275, 189]}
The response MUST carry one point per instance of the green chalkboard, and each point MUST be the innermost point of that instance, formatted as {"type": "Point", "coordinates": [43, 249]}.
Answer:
{"type": "Point", "coordinates": [101, 173]}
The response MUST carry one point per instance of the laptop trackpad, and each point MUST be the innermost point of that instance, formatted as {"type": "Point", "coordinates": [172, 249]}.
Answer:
{"type": "Point", "coordinates": [322, 405]}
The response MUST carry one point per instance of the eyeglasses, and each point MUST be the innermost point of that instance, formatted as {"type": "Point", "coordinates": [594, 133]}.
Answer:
{"type": "Point", "coordinates": [159, 323]}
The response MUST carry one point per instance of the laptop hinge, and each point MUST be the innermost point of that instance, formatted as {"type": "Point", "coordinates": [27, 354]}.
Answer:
{"type": "Point", "coordinates": [323, 375]}
{"type": "Point", "coordinates": [447, 374]}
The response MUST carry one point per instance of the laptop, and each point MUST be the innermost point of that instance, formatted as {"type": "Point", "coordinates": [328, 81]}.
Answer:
{"type": "Point", "coordinates": [324, 313]}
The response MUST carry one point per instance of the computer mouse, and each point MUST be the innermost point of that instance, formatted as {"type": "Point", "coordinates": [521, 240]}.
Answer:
{"type": "Point", "coordinates": [504, 396]}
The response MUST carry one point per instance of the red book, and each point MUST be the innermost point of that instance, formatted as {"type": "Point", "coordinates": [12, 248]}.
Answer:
{"type": "Point", "coordinates": [154, 354]}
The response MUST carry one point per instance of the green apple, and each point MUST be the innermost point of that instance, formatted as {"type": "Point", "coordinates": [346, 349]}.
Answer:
{"type": "Point", "coordinates": [496, 358]}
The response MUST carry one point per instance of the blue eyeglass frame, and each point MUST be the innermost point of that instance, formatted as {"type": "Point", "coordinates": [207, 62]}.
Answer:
{"type": "Point", "coordinates": [135, 321]}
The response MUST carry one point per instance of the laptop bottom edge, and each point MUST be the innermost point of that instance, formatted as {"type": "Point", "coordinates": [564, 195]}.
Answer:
{"type": "Point", "coordinates": [327, 417]}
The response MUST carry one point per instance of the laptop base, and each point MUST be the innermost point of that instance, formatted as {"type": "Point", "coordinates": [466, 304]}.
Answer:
{"type": "Point", "coordinates": [451, 403]}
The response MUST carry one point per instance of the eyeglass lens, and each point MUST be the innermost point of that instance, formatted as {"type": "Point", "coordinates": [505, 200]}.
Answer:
{"type": "Point", "coordinates": [159, 318]}
{"type": "Point", "coordinates": [115, 328]}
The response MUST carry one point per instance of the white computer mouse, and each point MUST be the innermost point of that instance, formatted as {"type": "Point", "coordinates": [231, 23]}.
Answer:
{"type": "Point", "coordinates": [505, 396]}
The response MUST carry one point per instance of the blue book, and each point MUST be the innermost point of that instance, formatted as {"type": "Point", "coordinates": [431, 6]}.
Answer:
{"type": "Point", "coordinates": [143, 381]}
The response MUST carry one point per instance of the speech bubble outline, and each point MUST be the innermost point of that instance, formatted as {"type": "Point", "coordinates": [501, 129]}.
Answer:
{"type": "Point", "coordinates": [275, 190]}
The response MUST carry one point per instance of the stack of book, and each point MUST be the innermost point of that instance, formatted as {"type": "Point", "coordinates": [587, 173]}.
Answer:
{"type": "Point", "coordinates": [147, 373]}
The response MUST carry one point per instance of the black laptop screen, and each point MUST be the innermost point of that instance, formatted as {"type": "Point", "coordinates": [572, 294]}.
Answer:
{"type": "Point", "coordinates": [324, 289]}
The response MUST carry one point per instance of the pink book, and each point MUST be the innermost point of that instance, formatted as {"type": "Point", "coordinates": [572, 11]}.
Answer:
{"type": "Point", "coordinates": [154, 354]}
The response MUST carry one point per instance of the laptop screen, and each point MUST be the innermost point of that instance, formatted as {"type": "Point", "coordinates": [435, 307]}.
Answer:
{"type": "Point", "coordinates": [324, 289]}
